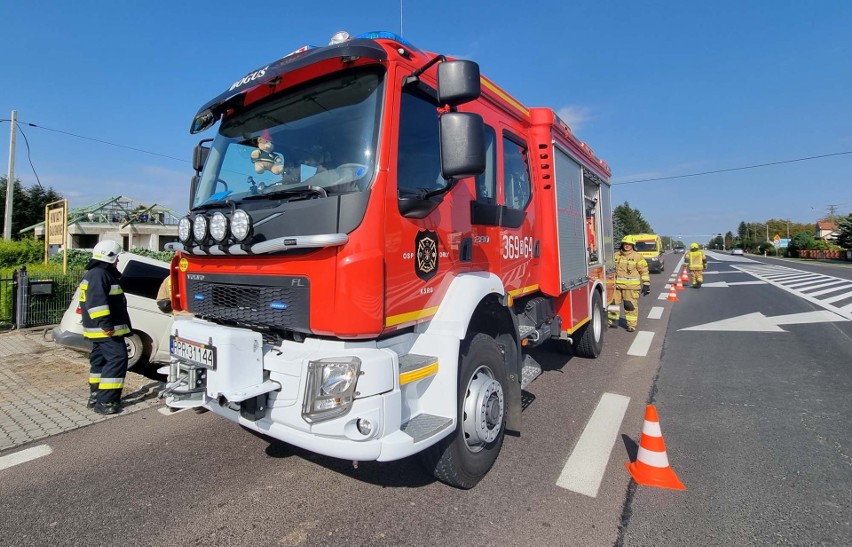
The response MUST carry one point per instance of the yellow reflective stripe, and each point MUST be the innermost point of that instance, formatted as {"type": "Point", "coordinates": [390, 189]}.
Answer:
{"type": "Point", "coordinates": [94, 379]}
{"type": "Point", "coordinates": [410, 316]}
{"type": "Point", "coordinates": [122, 330]}
{"type": "Point", "coordinates": [98, 311]}
{"type": "Point", "coordinates": [418, 374]}
{"type": "Point", "coordinates": [627, 281]}
{"type": "Point", "coordinates": [115, 289]}
{"type": "Point", "coordinates": [112, 383]}
{"type": "Point", "coordinates": [523, 290]}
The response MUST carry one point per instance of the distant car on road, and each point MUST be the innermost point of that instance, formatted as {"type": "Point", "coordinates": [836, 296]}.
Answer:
{"type": "Point", "coordinates": [141, 278]}
{"type": "Point", "coordinates": [679, 249]}
{"type": "Point", "coordinates": [737, 251]}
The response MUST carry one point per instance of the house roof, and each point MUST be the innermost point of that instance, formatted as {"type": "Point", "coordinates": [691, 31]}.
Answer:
{"type": "Point", "coordinates": [118, 210]}
{"type": "Point", "coordinates": [824, 225]}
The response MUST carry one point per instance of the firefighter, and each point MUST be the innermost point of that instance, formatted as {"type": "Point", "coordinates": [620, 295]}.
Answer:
{"type": "Point", "coordinates": [631, 275]}
{"type": "Point", "coordinates": [105, 323]}
{"type": "Point", "coordinates": [697, 263]}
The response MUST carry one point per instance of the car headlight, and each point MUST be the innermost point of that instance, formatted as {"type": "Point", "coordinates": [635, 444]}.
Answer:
{"type": "Point", "coordinates": [199, 228]}
{"type": "Point", "coordinates": [330, 388]}
{"type": "Point", "coordinates": [240, 224]}
{"type": "Point", "coordinates": [219, 227]}
{"type": "Point", "coordinates": [184, 229]}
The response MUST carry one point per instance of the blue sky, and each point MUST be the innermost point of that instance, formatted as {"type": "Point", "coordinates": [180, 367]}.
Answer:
{"type": "Point", "coordinates": [657, 89]}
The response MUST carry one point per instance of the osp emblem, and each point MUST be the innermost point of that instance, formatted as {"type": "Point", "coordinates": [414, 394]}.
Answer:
{"type": "Point", "coordinates": [426, 255]}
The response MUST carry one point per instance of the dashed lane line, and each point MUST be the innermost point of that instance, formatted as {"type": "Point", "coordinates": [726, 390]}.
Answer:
{"type": "Point", "coordinates": [656, 312]}
{"type": "Point", "coordinates": [585, 467]}
{"type": "Point", "coordinates": [24, 456]}
{"type": "Point", "coordinates": [641, 344]}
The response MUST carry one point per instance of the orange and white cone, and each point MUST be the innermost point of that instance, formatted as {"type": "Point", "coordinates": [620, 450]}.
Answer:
{"type": "Point", "coordinates": [673, 294]}
{"type": "Point", "coordinates": [685, 276]}
{"type": "Point", "coordinates": [651, 467]}
{"type": "Point", "coordinates": [679, 285]}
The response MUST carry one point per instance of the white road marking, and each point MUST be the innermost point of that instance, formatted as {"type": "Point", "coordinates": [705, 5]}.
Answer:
{"type": "Point", "coordinates": [726, 284]}
{"type": "Point", "coordinates": [656, 312]}
{"type": "Point", "coordinates": [167, 411]}
{"type": "Point", "coordinates": [663, 296]}
{"type": "Point", "coordinates": [585, 467]}
{"type": "Point", "coordinates": [24, 456]}
{"type": "Point", "coordinates": [771, 275]}
{"type": "Point", "coordinates": [641, 344]}
{"type": "Point", "coordinates": [757, 322]}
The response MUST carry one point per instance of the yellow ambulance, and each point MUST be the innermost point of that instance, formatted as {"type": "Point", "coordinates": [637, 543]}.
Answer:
{"type": "Point", "coordinates": [651, 247]}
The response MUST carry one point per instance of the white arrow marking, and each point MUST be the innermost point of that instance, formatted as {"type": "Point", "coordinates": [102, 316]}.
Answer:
{"type": "Point", "coordinates": [757, 322]}
{"type": "Point", "coordinates": [726, 272]}
{"type": "Point", "coordinates": [725, 284]}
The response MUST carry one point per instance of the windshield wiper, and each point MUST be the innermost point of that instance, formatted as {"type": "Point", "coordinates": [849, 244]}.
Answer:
{"type": "Point", "coordinates": [301, 192]}
{"type": "Point", "coordinates": [213, 205]}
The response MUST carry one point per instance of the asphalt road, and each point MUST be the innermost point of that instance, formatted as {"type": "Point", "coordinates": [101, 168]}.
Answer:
{"type": "Point", "coordinates": [754, 425]}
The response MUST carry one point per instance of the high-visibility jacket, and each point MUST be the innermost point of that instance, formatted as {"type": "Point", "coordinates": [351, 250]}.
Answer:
{"type": "Point", "coordinates": [102, 303]}
{"type": "Point", "coordinates": [696, 260]}
{"type": "Point", "coordinates": [631, 270]}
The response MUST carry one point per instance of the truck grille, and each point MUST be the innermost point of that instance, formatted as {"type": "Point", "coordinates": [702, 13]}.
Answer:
{"type": "Point", "coordinates": [269, 302]}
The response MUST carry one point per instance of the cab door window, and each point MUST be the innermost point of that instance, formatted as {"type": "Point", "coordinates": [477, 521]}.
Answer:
{"type": "Point", "coordinates": [486, 183]}
{"type": "Point", "coordinates": [517, 189]}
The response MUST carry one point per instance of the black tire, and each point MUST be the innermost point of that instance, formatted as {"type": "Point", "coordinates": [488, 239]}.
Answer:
{"type": "Point", "coordinates": [588, 341]}
{"type": "Point", "coordinates": [465, 456]}
{"type": "Point", "coordinates": [135, 350]}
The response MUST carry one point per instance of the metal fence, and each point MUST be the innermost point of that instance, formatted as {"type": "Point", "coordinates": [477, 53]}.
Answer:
{"type": "Point", "coordinates": [36, 299]}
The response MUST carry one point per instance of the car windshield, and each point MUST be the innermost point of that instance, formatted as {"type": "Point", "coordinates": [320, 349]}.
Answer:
{"type": "Point", "coordinates": [646, 246]}
{"type": "Point", "coordinates": [321, 135]}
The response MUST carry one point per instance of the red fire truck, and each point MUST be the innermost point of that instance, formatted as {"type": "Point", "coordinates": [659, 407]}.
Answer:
{"type": "Point", "coordinates": [377, 236]}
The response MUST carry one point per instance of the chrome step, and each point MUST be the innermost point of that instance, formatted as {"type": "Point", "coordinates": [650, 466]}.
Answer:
{"type": "Point", "coordinates": [424, 426]}
{"type": "Point", "coordinates": [530, 371]}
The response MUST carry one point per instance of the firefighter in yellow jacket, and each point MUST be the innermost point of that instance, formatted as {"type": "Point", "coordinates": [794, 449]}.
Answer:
{"type": "Point", "coordinates": [696, 262]}
{"type": "Point", "coordinates": [631, 276]}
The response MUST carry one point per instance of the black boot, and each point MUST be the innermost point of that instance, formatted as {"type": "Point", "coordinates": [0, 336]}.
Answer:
{"type": "Point", "coordinates": [93, 398]}
{"type": "Point", "coordinates": [107, 408]}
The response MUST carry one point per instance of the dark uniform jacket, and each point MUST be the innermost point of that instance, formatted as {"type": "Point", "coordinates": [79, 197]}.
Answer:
{"type": "Point", "coordinates": [102, 302]}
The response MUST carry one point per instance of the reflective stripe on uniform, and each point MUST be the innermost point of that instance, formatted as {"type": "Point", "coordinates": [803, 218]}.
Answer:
{"type": "Point", "coordinates": [627, 281]}
{"type": "Point", "coordinates": [111, 383]}
{"type": "Point", "coordinates": [94, 378]}
{"type": "Point", "coordinates": [115, 289]}
{"type": "Point", "coordinates": [98, 332]}
{"type": "Point", "coordinates": [98, 311]}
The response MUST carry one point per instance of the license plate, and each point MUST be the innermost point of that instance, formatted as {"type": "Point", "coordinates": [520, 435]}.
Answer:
{"type": "Point", "coordinates": [201, 354]}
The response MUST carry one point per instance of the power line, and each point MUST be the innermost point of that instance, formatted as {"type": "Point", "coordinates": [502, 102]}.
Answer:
{"type": "Point", "coordinates": [29, 154]}
{"type": "Point", "coordinates": [736, 168]}
{"type": "Point", "coordinates": [101, 141]}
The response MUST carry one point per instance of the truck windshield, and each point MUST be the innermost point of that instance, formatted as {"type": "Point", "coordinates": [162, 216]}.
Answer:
{"type": "Point", "coordinates": [323, 134]}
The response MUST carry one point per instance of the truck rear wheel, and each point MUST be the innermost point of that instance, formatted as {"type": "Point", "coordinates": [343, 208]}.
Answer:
{"type": "Point", "coordinates": [465, 456]}
{"type": "Point", "coordinates": [588, 341]}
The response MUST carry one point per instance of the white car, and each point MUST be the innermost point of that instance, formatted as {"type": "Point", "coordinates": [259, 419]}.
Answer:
{"type": "Point", "coordinates": [737, 251]}
{"type": "Point", "coordinates": [140, 279]}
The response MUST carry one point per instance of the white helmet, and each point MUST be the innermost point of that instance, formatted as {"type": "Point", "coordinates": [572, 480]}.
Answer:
{"type": "Point", "coordinates": [107, 251]}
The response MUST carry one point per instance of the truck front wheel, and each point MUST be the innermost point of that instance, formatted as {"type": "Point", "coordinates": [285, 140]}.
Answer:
{"type": "Point", "coordinates": [464, 457]}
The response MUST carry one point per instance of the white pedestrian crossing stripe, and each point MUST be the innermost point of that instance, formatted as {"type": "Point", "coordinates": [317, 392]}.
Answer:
{"type": "Point", "coordinates": [828, 292]}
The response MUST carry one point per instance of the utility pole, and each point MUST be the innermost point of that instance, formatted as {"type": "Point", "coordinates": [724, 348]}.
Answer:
{"type": "Point", "coordinates": [10, 180]}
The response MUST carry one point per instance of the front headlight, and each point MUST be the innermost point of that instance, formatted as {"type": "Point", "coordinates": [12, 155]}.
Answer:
{"type": "Point", "coordinates": [330, 389]}
{"type": "Point", "coordinates": [184, 229]}
{"type": "Point", "coordinates": [199, 228]}
{"type": "Point", "coordinates": [219, 227]}
{"type": "Point", "coordinates": [240, 224]}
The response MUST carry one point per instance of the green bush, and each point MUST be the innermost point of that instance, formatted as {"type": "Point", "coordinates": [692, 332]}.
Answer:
{"type": "Point", "coordinates": [165, 256]}
{"type": "Point", "coordinates": [76, 258]}
{"type": "Point", "coordinates": [25, 251]}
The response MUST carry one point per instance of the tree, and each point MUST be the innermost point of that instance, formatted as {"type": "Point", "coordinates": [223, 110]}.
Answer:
{"type": "Point", "coordinates": [729, 240]}
{"type": "Point", "coordinates": [844, 232]}
{"type": "Point", "coordinates": [28, 204]}
{"type": "Point", "coordinates": [801, 240]}
{"type": "Point", "coordinates": [627, 220]}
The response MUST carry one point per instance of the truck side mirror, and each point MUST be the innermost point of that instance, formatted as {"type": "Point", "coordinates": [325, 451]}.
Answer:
{"type": "Point", "coordinates": [199, 155]}
{"type": "Point", "coordinates": [462, 145]}
{"type": "Point", "coordinates": [458, 82]}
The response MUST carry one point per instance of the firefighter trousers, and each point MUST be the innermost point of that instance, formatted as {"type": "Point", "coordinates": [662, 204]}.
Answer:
{"type": "Point", "coordinates": [108, 367]}
{"type": "Point", "coordinates": [697, 275]}
{"type": "Point", "coordinates": [630, 299]}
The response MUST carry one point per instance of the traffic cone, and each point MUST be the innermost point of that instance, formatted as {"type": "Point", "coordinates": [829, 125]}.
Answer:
{"type": "Point", "coordinates": [651, 467]}
{"type": "Point", "coordinates": [685, 276]}
{"type": "Point", "coordinates": [679, 285]}
{"type": "Point", "coordinates": [672, 294]}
